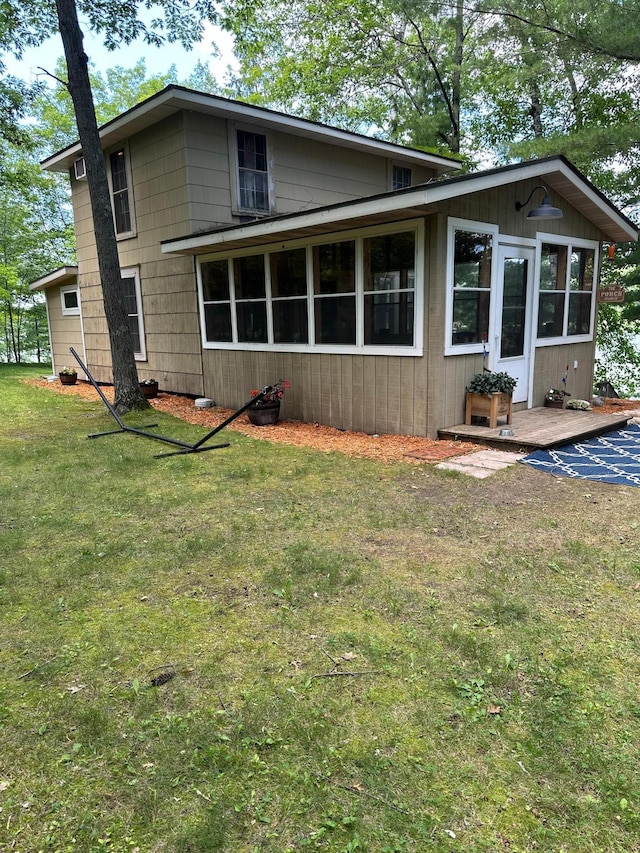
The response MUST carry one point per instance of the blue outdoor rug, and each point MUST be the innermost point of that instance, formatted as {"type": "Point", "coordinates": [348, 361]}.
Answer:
{"type": "Point", "coordinates": [610, 458]}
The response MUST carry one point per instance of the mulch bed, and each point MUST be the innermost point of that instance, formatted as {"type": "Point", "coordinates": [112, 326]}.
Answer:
{"type": "Point", "coordinates": [384, 448]}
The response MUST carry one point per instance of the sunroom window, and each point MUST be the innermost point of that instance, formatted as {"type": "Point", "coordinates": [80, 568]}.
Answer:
{"type": "Point", "coordinates": [289, 296]}
{"type": "Point", "coordinates": [355, 294]}
{"type": "Point", "coordinates": [251, 298]}
{"type": "Point", "coordinates": [334, 286]}
{"type": "Point", "coordinates": [565, 304]}
{"type": "Point", "coordinates": [389, 287]}
{"type": "Point", "coordinates": [472, 259]}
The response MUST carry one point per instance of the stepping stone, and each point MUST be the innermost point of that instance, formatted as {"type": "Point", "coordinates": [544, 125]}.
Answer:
{"type": "Point", "coordinates": [483, 463]}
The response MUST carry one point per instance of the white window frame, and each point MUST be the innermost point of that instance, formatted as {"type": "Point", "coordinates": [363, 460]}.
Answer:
{"type": "Point", "coordinates": [123, 235]}
{"type": "Point", "coordinates": [134, 273]}
{"type": "Point", "coordinates": [236, 208]}
{"type": "Point", "coordinates": [69, 288]}
{"type": "Point", "coordinates": [570, 243]}
{"type": "Point", "coordinates": [415, 225]}
{"type": "Point", "coordinates": [453, 225]}
{"type": "Point", "coordinates": [395, 165]}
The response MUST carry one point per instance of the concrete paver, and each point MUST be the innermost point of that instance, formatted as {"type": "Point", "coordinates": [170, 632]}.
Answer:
{"type": "Point", "coordinates": [482, 463]}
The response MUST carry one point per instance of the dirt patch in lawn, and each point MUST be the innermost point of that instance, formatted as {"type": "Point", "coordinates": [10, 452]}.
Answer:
{"type": "Point", "coordinates": [385, 448]}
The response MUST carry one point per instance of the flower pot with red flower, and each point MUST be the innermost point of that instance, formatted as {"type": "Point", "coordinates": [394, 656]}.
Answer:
{"type": "Point", "coordinates": [266, 409]}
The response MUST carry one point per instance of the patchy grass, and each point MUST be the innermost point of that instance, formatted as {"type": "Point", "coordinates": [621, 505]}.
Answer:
{"type": "Point", "coordinates": [264, 648]}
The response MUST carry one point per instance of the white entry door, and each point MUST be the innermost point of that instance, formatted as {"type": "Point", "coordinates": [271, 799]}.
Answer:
{"type": "Point", "coordinates": [511, 350]}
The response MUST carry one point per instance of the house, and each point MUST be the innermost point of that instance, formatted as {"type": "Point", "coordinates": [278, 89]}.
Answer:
{"type": "Point", "coordinates": [375, 278]}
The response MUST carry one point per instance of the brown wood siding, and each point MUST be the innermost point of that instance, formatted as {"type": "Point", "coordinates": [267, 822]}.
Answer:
{"type": "Point", "coordinates": [551, 363]}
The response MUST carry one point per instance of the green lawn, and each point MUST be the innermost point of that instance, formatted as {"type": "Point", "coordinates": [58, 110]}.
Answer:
{"type": "Point", "coordinates": [263, 648]}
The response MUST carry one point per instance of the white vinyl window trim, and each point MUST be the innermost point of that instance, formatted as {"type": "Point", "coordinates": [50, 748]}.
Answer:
{"type": "Point", "coordinates": [132, 231]}
{"type": "Point", "coordinates": [134, 274]}
{"type": "Point", "coordinates": [67, 293]}
{"type": "Point", "coordinates": [236, 208]}
{"type": "Point", "coordinates": [570, 243]}
{"type": "Point", "coordinates": [417, 226]}
{"type": "Point", "coordinates": [453, 225]}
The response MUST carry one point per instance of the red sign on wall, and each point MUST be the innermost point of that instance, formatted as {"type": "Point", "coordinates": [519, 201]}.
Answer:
{"type": "Point", "coordinates": [613, 293]}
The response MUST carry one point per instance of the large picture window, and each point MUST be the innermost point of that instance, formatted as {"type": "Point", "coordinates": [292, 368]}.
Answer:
{"type": "Point", "coordinates": [358, 293]}
{"type": "Point", "coordinates": [566, 296]}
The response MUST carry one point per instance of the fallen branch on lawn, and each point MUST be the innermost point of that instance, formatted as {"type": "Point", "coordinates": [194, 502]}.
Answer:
{"type": "Point", "coordinates": [336, 672]}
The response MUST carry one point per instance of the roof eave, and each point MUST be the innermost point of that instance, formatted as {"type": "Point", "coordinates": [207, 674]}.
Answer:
{"type": "Point", "coordinates": [556, 170]}
{"type": "Point", "coordinates": [63, 275]}
{"type": "Point", "coordinates": [176, 98]}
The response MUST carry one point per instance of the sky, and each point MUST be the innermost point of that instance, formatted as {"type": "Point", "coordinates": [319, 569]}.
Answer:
{"type": "Point", "coordinates": [157, 59]}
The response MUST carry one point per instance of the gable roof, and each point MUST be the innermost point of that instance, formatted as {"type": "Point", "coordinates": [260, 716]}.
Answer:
{"type": "Point", "coordinates": [557, 172]}
{"type": "Point", "coordinates": [173, 99]}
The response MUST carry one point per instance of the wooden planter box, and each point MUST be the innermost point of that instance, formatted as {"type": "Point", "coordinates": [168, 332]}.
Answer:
{"type": "Point", "coordinates": [554, 404]}
{"type": "Point", "coordinates": [491, 406]}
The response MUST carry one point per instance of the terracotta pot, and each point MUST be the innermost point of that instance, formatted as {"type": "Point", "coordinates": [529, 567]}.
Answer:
{"type": "Point", "coordinates": [265, 414]}
{"type": "Point", "coordinates": [68, 378]}
{"type": "Point", "coordinates": [149, 390]}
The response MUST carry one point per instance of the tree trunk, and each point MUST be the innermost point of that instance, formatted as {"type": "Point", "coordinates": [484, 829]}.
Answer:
{"type": "Point", "coordinates": [456, 82]}
{"type": "Point", "coordinates": [125, 374]}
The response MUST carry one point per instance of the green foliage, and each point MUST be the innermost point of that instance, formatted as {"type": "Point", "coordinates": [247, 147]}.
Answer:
{"type": "Point", "coordinates": [488, 382]}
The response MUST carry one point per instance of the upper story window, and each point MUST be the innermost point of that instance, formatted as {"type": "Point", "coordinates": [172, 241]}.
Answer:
{"type": "Point", "coordinates": [359, 293]}
{"type": "Point", "coordinates": [400, 177]}
{"type": "Point", "coordinates": [567, 289]}
{"type": "Point", "coordinates": [253, 171]}
{"type": "Point", "coordinates": [470, 272]}
{"type": "Point", "coordinates": [70, 298]}
{"type": "Point", "coordinates": [121, 196]}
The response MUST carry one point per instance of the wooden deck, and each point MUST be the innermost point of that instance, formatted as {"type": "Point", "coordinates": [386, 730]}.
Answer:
{"type": "Point", "coordinates": [538, 428]}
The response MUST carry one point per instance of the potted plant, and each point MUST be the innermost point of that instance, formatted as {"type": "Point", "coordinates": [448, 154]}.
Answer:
{"type": "Point", "coordinates": [68, 375]}
{"type": "Point", "coordinates": [149, 388]}
{"type": "Point", "coordinates": [554, 398]}
{"type": "Point", "coordinates": [266, 410]}
{"type": "Point", "coordinates": [489, 395]}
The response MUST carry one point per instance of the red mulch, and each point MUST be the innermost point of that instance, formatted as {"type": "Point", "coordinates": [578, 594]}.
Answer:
{"type": "Point", "coordinates": [385, 448]}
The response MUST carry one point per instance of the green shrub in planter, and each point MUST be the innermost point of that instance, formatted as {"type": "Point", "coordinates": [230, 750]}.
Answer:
{"type": "Point", "coordinates": [492, 383]}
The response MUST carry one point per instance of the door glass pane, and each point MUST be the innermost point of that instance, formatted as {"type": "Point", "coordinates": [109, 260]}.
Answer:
{"type": "Point", "coordinates": [514, 305]}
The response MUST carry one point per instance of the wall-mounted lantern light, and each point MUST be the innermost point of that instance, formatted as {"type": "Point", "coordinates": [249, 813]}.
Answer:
{"type": "Point", "coordinates": [546, 209]}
